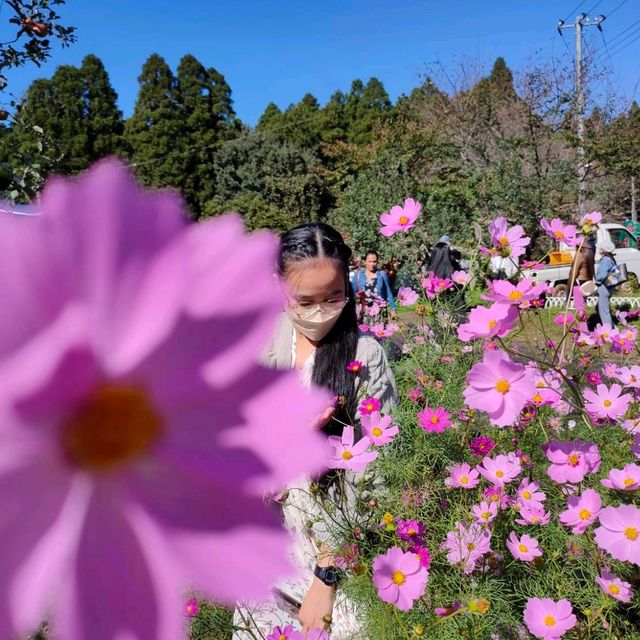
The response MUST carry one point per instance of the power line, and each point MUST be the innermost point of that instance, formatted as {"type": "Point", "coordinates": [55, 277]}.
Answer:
{"type": "Point", "coordinates": [572, 12]}
{"type": "Point", "coordinates": [616, 8]}
{"type": "Point", "coordinates": [616, 48]}
{"type": "Point", "coordinates": [612, 41]}
{"type": "Point", "coordinates": [588, 11]}
{"type": "Point", "coordinates": [604, 42]}
{"type": "Point", "coordinates": [626, 46]}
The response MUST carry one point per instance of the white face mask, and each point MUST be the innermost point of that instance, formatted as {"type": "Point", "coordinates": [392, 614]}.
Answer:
{"type": "Point", "coordinates": [317, 324]}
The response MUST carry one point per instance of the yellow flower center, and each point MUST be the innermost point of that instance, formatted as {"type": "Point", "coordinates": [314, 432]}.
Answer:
{"type": "Point", "coordinates": [403, 219]}
{"type": "Point", "coordinates": [387, 518]}
{"type": "Point", "coordinates": [502, 386]}
{"type": "Point", "coordinates": [559, 234]}
{"type": "Point", "coordinates": [471, 546]}
{"type": "Point", "coordinates": [464, 479]}
{"type": "Point", "coordinates": [504, 241]}
{"type": "Point", "coordinates": [492, 323]}
{"type": "Point", "coordinates": [526, 495]}
{"type": "Point", "coordinates": [631, 533]}
{"type": "Point", "coordinates": [499, 473]}
{"type": "Point", "coordinates": [574, 458]}
{"type": "Point", "coordinates": [377, 431]}
{"type": "Point", "coordinates": [628, 482]}
{"type": "Point", "coordinates": [347, 455]}
{"type": "Point", "coordinates": [515, 295]}
{"type": "Point", "coordinates": [537, 398]}
{"type": "Point", "coordinates": [607, 403]}
{"type": "Point", "coordinates": [398, 578]}
{"type": "Point", "coordinates": [116, 425]}
{"type": "Point", "coordinates": [485, 515]}
{"type": "Point", "coordinates": [522, 548]}
{"type": "Point", "coordinates": [614, 588]}
{"type": "Point", "coordinates": [584, 514]}
{"type": "Point", "coordinates": [540, 384]}
{"type": "Point", "coordinates": [549, 621]}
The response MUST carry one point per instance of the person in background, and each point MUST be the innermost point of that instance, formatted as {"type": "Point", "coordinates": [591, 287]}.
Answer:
{"type": "Point", "coordinates": [443, 262]}
{"type": "Point", "coordinates": [605, 267]}
{"type": "Point", "coordinates": [371, 284]}
{"type": "Point", "coordinates": [584, 267]}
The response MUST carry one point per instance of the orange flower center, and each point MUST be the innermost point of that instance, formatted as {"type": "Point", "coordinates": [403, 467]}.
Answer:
{"type": "Point", "coordinates": [464, 479]}
{"type": "Point", "coordinates": [435, 419]}
{"type": "Point", "coordinates": [377, 431]}
{"type": "Point", "coordinates": [584, 514]}
{"type": "Point", "coordinates": [471, 546]}
{"type": "Point", "coordinates": [614, 588]}
{"type": "Point", "coordinates": [522, 548]}
{"type": "Point", "coordinates": [607, 403]}
{"type": "Point", "coordinates": [403, 219]}
{"type": "Point", "coordinates": [549, 621]}
{"type": "Point", "coordinates": [631, 533]}
{"type": "Point", "coordinates": [492, 323]}
{"type": "Point", "coordinates": [347, 455]}
{"type": "Point", "coordinates": [537, 398]}
{"type": "Point", "coordinates": [526, 495]}
{"type": "Point", "coordinates": [515, 295]}
{"type": "Point", "coordinates": [502, 386]}
{"type": "Point", "coordinates": [398, 578]}
{"type": "Point", "coordinates": [574, 458]}
{"type": "Point", "coordinates": [499, 473]}
{"type": "Point", "coordinates": [628, 482]}
{"type": "Point", "coordinates": [116, 425]}
{"type": "Point", "coordinates": [559, 234]}
{"type": "Point", "coordinates": [504, 241]}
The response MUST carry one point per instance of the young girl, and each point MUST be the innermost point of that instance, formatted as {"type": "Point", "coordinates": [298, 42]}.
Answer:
{"type": "Point", "coordinates": [318, 335]}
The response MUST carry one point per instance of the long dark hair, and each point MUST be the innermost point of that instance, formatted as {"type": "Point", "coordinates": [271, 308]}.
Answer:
{"type": "Point", "coordinates": [338, 348]}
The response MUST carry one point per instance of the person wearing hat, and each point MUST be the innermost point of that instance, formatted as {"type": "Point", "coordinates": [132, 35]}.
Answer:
{"type": "Point", "coordinates": [607, 263]}
{"type": "Point", "coordinates": [443, 262]}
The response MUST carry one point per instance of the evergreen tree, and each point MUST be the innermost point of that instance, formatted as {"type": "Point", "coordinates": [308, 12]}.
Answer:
{"type": "Point", "coordinates": [271, 121]}
{"type": "Point", "coordinates": [156, 127]}
{"type": "Point", "coordinates": [333, 124]}
{"type": "Point", "coordinates": [365, 106]}
{"type": "Point", "coordinates": [104, 123]}
{"type": "Point", "coordinates": [303, 123]}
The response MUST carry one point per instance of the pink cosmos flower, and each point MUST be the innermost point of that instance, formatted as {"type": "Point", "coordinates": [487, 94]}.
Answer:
{"type": "Point", "coordinates": [423, 555]}
{"type": "Point", "coordinates": [433, 285]}
{"type": "Point", "coordinates": [614, 586]}
{"type": "Point", "coordinates": [533, 515]}
{"type": "Point", "coordinates": [619, 532]}
{"type": "Point", "coordinates": [572, 460]}
{"type": "Point", "coordinates": [593, 378]}
{"type": "Point", "coordinates": [355, 366]}
{"type": "Point", "coordinates": [485, 512]}
{"type": "Point", "coordinates": [604, 333]}
{"type": "Point", "coordinates": [610, 369]}
{"type": "Point", "coordinates": [581, 511]}
{"type": "Point", "coordinates": [369, 405]}
{"type": "Point", "coordinates": [629, 376]}
{"type": "Point", "coordinates": [191, 608]}
{"type": "Point", "coordinates": [115, 356]}
{"type": "Point", "coordinates": [500, 387]}
{"type": "Point", "coordinates": [625, 479]}
{"type": "Point", "coordinates": [415, 395]}
{"type": "Point", "coordinates": [589, 221]}
{"type": "Point", "coordinates": [635, 447]}
{"type": "Point", "coordinates": [462, 476]}
{"type": "Point", "coordinates": [561, 232]}
{"type": "Point", "coordinates": [287, 632]}
{"type": "Point", "coordinates": [399, 578]}
{"type": "Point", "coordinates": [548, 619]}
{"type": "Point", "coordinates": [529, 494]}
{"type": "Point", "coordinates": [489, 322]}
{"type": "Point", "coordinates": [443, 612]}
{"type": "Point", "coordinates": [481, 446]}
{"type": "Point", "coordinates": [499, 496]}
{"type": "Point", "coordinates": [525, 548]}
{"type": "Point", "coordinates": [564, 319]}
{"type": "Point", "coordinates": [607, 402]}
{"type": "Point", "coordinates": [632, 425]}
{"type": "Point", "coordinates": [504, 292]}
{"type": "Point", "coordinates": [500, 470]}
{"type": "Point", "coordinates": [466, 545]}
{"type": "Point", "coordinates": [378, 428]}
{"type": "Point", "coordinates": [348, 455]}
{"type": "Point", "coordinates": [410, 530]}
{"type": "Point", "coordinates": [507, 241]}
{"type": "Point", "coordinates": [400, 218]}
{"type": "Point", "coordinates": [378, 331]}
{"type": "Point", "coordinates": [407, 296]}
{"type": "Point", "coordinates": [460, 277]}
{"type": "Point", "coordinates": [434, 420]}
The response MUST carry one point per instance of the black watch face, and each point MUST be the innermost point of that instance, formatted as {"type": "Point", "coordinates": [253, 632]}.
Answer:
{"type": "Point", "coordinates": [331, 575]}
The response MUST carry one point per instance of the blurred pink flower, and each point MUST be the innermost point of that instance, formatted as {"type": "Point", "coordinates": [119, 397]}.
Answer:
{"type": "Point", "coordinates": [135, 415]}
{"type": "Point", "coordinates": [485, 512]}
{"type": "Point", "coordinates": [590, 220]}
{"type": "Point", "coordinates": [488, 322]}
{"type": "Point", "coordinates": [410, 530]}
{"type": "Point", "coordinates": [533, 515]}
{"type": "Point", "coordinates": [434, 420]}
{"type": "Point", "coordinates": [443, 612]}
{"type": "Point", "coordinates": [581, 511]}
{"type": "Point", "coordinates": [355, 366]}
{"type": "Point", "coordinates": [504, 292]}
{"type": "Point", "coordinates": [399, 578]}
{"type": "Point", "coordinates": [460, 277]}
{"type": "Point", "coordinates": [619, 532]}
{"type": "Point", "coordinates": [348, 455]}
{"type": "Point", "coordinates": [561, 232]}
{"type": "Point", "coordinates": [564, 319]}
{"type": "Point", "coordinates": [507, 241]}
{"type": "Point", "coordinates": [407, 296]}
{"type": "Point", "coordinates": [625, 479]}
{"type": "Point", "coordinates": [378, 428]}
{"type": "Point", "coordinates": [400, 218]}
{"type": "Point", "coordinates": [635, 447]}
{"type": "Point", "coordinates": [467, 544]}
{"type": "Point", "coordinates": [481, 446]}
{"type": "Point", "coordinates": [500, 387]}
{"type": "Point", "coordinates": [462, 476]}
{"type": "Point", "coordinates": [525, 548]}
{"type": "Point", "coordinates": [423, 555]}
{"type": "Point", "coordinates": [629, 376]}
{"type": "Point", "coordinates": [288, 632]}
{"type": "Point", "coordinates": [548, 619]}
{"type": "Point", "coordinates": [369, 405]}
{"type": "Point", "coordinates": [191, 608]}
{"type": "Point", "coordinates": [607, 402]}
{"type": "Point", "coordinates": [614, 586]}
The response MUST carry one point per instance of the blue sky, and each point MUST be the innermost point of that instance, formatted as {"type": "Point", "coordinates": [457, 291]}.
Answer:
{"type": "Point", "coordinates": [277, 50]}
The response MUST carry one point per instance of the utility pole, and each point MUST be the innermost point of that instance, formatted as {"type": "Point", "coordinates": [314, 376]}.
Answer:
{"type": "Point", "coordinates": [580, 23]}
{"type": "Point", "coordinates": [634, 210]}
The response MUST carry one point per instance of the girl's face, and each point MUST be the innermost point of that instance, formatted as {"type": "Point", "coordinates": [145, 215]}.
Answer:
{"type": "Point", "coordinates": [315, 281]}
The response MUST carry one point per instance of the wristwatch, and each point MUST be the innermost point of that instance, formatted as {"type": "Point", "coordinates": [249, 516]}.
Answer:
{"type": "Point", "coordinates": [328, 575]}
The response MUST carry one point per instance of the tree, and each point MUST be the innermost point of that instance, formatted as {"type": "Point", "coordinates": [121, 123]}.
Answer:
{"type": "Point", "coordinates": [154, 131]}
{"type": "Point", "coordinates": [104, 122]}
{"type": "Point", "coordinates": [271, 121]}
{"type": "Point", "coordinates": [365, 107]}
{"type": "Point", "coordinates": [302, 123]}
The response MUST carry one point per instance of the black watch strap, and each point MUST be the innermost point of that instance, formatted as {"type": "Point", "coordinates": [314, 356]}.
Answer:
{"type": "Point", "coordinates": [328, 575]}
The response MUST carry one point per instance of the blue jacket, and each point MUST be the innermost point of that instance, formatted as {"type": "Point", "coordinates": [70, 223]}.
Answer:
{"type": "Point", "coordinates": [383, 288]}
{"type": "Point", "coordinates": [604, 269]}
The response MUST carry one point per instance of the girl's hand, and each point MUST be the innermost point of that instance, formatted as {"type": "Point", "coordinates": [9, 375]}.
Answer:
{"type": "Point", "coordinates": [316, 607]}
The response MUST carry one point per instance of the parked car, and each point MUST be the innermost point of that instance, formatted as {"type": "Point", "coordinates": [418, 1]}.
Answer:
{"type": "Point", "coordinates": [557, 275]}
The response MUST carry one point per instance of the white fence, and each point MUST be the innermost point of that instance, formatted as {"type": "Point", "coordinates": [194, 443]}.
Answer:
{"type": "Point", "coordinates": [561, 302]}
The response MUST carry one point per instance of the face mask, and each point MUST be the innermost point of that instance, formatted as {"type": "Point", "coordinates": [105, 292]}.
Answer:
{"type": "Point", "coordinates": [316, 325]}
